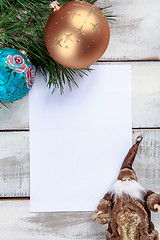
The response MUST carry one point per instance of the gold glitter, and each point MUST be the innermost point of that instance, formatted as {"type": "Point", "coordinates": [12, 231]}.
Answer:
{"type": "Point", "coordinates": [74, 13]}
{"type": "Point", "coordinates": [90, 9]}
{"type": "Point", "coordinates": [58, 42]}
{"type": "Point", "coordinates": [79, 30]}
{"type": "Point", "coordinates": [146, 225]}
{"type": "Point", "coordinates": [95, 26]}
{"type": "Point", "coordinates": [108, 235]}
{"type": "Point", "coordinates": [68, 37]}
{"type": "Point", "coordinates": [151, 196]}
{"type": "Point", "coordinates": [128, 222]}
{"type": "Point", "coordinates": [105, 202]}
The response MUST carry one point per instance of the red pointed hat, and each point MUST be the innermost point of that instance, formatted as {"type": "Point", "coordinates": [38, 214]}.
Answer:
{"type": "Point", "coordinates": [126, 169]}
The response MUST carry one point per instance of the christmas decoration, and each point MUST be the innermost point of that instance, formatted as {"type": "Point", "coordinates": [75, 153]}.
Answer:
{"type": "Point", "coordinates": [76, 34]}
{"type": "Point", "coordinates": [22, 27]}
{"type": "Point", "coordinates": [16, 75]}
{"type": "Point", "coordinates": [128, 205]}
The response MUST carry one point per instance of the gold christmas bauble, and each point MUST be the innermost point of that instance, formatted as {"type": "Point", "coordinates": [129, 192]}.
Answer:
{"type": "Point", "coordinates": [76, 34]}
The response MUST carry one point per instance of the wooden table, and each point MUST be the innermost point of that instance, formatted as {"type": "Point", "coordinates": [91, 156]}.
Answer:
{"type": "Point", "coordinates": [135, 39]}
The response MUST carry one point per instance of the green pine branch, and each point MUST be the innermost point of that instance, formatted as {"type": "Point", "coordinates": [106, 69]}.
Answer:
{"type": "Point", "coordinates": [22, 25]}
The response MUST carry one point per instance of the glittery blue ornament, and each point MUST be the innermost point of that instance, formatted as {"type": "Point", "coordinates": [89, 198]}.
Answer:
{"type": "Point", "coordinates": [16, 75]}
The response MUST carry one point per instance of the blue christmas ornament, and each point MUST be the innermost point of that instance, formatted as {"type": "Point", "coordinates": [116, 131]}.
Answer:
{"type": "Point", "coordinates": [16, 75]}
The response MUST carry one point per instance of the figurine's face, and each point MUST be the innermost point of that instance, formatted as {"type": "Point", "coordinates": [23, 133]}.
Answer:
{"type": "Point", "coordinates": [126, 178]}
{"type": "Point", "coordinates": [127, 174]}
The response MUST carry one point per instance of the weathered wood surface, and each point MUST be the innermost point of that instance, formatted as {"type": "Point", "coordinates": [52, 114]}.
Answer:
{"type": "Point", "coordinates": [146, 95]}
{"type": "Point", "coordinates": [16, 117]}
{"type": "Point", "coordinates": [134, 36]}
{"type": "Point", "coordinates": [136, 33]}
{"type": "Point", "coordinates": [16, 223]}
{"type": "Point", "coordinates": [14, 162]}
{"type": "Point", "coordinates": [146, 100]}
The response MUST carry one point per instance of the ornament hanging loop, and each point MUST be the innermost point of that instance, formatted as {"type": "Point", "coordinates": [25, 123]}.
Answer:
{"type": "Point", "coordinates": [54, 6]}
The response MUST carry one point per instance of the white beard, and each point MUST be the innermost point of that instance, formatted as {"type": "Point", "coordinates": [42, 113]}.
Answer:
{"type": "Point", "coordinates": [131, 188]}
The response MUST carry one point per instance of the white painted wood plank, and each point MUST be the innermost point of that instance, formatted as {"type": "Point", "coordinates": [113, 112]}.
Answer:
{"type": "Point", "coordinates": [14, 162]}
{"type": "Point", "coordinates": [16, 117]}
{"type": "Point", "coordinates": [136, 33]}
{"type": "Point", "coordinates": [147, 162]}
{"type": "Point", "coordinates": [146, 94]}
{"type": "Point", "coordinates": [16, 223]}
{"type": "Point", "coordinates": [146, 100]}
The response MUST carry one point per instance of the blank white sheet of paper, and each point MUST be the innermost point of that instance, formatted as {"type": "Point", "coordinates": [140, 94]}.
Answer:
{"type": "Point", "coordinates": [78, 140]}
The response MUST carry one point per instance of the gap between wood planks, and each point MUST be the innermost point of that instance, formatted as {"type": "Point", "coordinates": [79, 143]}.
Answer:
{"type": "Point", "coordinates": [27, 130]}
{"type": "Point", "coordinates": [129, 61]}
{"type": "Point", "coordinates": [14, 130]}
{"type": "Point", "coordinates": [14, 198]}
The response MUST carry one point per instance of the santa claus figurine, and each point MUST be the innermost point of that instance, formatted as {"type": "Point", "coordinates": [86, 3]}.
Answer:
{"type": "Point", "coordinates": [127, 205]}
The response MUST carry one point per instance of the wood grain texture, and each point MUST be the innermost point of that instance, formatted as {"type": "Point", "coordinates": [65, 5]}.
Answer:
{"type": "Point", "coordinates": [14, 162]}
{"type": "Point", "coordinates": [136, 33]}
{"type": "Point", "coordinates": [16, 223]}
{"type": "Point", "coordinates": [146, 100]}
{"type": "Point", "coordinates": [146, 94]}
{"type": "Point", "coordinates": [134, 36]}
{"type": "Point", "coordinates": [147, 162]}
{"type": "Point", "coordinates": [16, 117]}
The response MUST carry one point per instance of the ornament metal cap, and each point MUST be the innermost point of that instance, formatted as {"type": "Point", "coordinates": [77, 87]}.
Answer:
{"type": "Point", "coordinates": [129, 159]}
{"type": "Point", "coordinates": [54, 6]}
{"type": "Point", "coordinates": [24, 52]}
